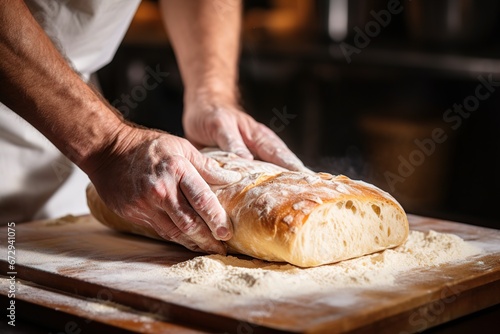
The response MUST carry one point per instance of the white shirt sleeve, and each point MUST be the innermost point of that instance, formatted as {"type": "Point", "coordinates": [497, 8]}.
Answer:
{"type": "Point", "coordinates": [36, 180]}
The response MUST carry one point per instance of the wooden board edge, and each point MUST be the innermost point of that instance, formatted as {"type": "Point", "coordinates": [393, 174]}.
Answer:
{"type": "Point", "coordinates": [174, 313]}
{"type": "Point", "coordinates": [452, 304]}
{"type": "Point", "coordinates": [57, 320]}
{"type": "Point", "coordinates": [63, 310]}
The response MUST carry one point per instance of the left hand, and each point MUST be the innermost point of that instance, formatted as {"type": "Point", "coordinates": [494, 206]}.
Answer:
{"type": "Point", "coordinates": [158, 180]}
{"type": "Point", "coordinates": [221, 122]}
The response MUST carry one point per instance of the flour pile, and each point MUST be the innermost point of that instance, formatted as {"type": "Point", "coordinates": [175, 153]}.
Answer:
{"type": "Point", "coordinates": [255, 278]}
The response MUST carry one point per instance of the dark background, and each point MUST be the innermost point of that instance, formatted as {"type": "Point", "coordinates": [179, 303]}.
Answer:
{"type": "Point", "coordinates": [357, 118]}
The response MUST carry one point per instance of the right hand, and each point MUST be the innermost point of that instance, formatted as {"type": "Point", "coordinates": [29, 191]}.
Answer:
{"type": "Point", "coordinates": [218, 122]}
{"type": "Point", "coordinates": [156, 179]}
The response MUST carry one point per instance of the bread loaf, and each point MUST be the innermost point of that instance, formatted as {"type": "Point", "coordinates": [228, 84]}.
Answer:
{"type": "Point", "coordinates": [301, 218]}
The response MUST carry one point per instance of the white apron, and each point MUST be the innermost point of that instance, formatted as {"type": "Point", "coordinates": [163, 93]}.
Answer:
{"type": "Point", "coordinates": [36, 180]}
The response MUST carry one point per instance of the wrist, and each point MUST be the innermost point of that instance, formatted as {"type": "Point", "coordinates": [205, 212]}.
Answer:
{"type": "Point", "coordinates": [211, 95]}
{"type": "Point", "coordinates": [104, 140]}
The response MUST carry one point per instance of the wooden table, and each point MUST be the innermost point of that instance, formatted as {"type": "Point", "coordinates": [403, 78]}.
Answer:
{"type": "Point", "coordinates": [96, 278]}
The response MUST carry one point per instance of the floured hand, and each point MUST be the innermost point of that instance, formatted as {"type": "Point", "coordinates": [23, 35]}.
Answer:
{"type": "Point", "coordinates": [156, 179]}
{"type": "Point", "coordinates": [225, 125]}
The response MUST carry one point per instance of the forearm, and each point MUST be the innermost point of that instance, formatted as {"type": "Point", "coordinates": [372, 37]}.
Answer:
{"type": "Point", "coordinates": [40, 86]}
{"type": "Point", "coordinates": [205, 36]}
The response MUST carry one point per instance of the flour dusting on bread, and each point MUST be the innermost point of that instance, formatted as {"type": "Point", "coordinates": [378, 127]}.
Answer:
{"type": "Point", "coordinates": [306, 219]}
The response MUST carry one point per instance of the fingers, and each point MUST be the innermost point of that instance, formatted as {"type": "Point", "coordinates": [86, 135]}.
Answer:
{"type": "Point", "coordinates": [155, 183]}
{"type": "Point", "coordinates": [161, 222]}
{"type": "Point", "coordinates": [188, 202]}
{"type": "Point", "coordinates": [190, 230]}
{"type": "Point", "coordinates": [229, 139]}
{"type": "Point", "coordinates": [262, 142]}
{"type": "Point", "coordinates": [248, 138]}
{"type": "Point", "coordinates": [269, 147]}
{"type": "Point", "coordinates": [206, 204]}
{"type": "Point", "coordinates": [285, 158]}
{"type": "Point", "coordinates": [165, 227]}
{"type": "Point", "coordinates": [210, 170]}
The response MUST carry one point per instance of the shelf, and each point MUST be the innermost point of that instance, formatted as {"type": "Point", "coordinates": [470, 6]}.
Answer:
{"type": "Point", "coordinates": [401, 56]}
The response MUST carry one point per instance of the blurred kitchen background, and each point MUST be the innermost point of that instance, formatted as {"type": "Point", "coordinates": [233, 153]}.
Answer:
{"type": "Point", "coordinates": [357, 87]}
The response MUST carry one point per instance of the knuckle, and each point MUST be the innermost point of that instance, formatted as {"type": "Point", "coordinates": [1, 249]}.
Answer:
{"type": "Point", "coordinates": [210, 164]}
{"type": "Point", "coordinates": [216, 118]}
{"type": "Point", "coordinates": [188, 225]}
{"type": "Point", "coordinates": [222, 130]}
{"type": "Point", "coordinates": [202, 199]}
{"type": "Point", "coordinates": [172, 234]}
{"type": "Point", "coordinates": [260, 141]}
{"type": "Point", "coordinates": [265, 133]}
{"type": "Point", "coordinates": [266, 139]}
{"type": "Point", "coordinates": [219, 117]}
{"type": "Point", "coordinates": [152, 191]}
{"type": "Point", "coordinates": [168, 199]}
{"type": "Point", "coordinates": [167, 230]}
{"type": "Point", "coordinates": [275, 151]}
{"type": "Point", "coordinates": [133, 209]}
{"type": "Point", "coordinates": [183, 142]}
{"type": "Point", "coordinates": [173, 162]}
{"type": "Point", "coordinates": [158, 190]}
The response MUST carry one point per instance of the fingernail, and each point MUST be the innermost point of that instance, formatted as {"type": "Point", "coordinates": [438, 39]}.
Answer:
{"type": "Point", "coordinates": [222, 233]}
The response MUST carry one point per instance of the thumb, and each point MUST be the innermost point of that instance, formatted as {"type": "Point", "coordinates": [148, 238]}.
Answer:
{"type": "Point", "coordinates": [211, 171]}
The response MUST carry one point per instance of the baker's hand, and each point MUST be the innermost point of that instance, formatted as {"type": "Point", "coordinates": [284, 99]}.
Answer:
{"type": "Point", "coordinates": [156, 179]}
{"type": "Point", "coordinates": [221, 123]}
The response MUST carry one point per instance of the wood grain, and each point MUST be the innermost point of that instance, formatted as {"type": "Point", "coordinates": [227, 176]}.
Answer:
{"type": "Point", "coordinates": [61, 311]}
{"type": "Point", "coordinates": [81, 257]}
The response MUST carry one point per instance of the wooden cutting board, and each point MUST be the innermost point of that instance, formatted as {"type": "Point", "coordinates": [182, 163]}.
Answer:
{"type": "Point", "coordinates": [65, 313]}
{"type": "Point", "coordinates": [77, 255]}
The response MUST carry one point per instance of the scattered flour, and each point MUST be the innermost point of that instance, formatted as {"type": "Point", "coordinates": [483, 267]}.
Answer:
{"type": "Point", "coordinates": [101, 307]}
{"type": "Point", "coordinates": [117, 311]}
{"type": "Point", "coordinates": [89, 307]}
{"type": "Point", "coordinates": [68, 219]}
{"type": "Point", "coordinates": [255, 278]}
